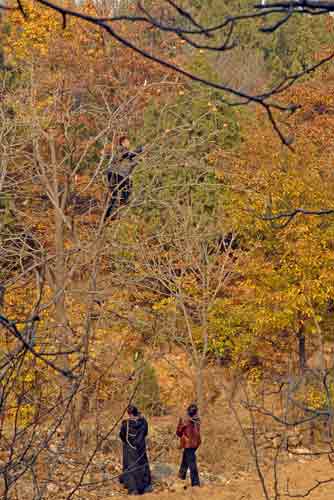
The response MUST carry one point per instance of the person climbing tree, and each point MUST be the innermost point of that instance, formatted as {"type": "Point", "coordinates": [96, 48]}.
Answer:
{"type": "Point", "coordinates": [188, 430]}
{"type": "Point", "coordinates": [118, 174]}
{"type": "Point", "coordinates": [136, 475]}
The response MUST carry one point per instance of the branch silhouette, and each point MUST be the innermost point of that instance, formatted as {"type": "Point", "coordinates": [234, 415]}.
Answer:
{"type": "Point", "coordinates": [192, 34]}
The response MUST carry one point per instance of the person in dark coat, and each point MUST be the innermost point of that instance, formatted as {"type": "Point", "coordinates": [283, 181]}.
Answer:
{"type": "Point", "coordinates": [136, 475]}
{"type": "Point", "coordinates": [189, 432]}
{"type": "Point", "coordinates": [119, 175]}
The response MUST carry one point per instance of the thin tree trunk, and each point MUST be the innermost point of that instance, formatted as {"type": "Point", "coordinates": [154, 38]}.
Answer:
{"type": "Point", "coordinates": [199, 387]}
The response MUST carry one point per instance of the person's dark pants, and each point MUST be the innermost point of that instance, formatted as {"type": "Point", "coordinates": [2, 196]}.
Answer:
{"type": "Point", "coordinates": [113, 205]}
{"type": "Point", "coordinates": [189, 462]}
{"type": "Point", "coordinates": [119, 196]}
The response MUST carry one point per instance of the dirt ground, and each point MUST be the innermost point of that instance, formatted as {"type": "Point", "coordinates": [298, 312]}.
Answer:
{"type": "Point", "coordinates": [299, 476]}
{"type": "Point", "coordinates": [228, 471]}
{"type": "Point", "coordinates": [226, 467]}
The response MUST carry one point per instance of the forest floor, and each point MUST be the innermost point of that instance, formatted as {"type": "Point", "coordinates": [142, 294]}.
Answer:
{"type": "Point", "coordinates": [233, 475]}
{"type": "Point", "coordinates": [300, 474]}
{"type": "Point", "coordinates": [227, 470]}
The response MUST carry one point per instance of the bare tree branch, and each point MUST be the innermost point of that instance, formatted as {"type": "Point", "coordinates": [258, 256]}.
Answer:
{"type": "Point", "coordinates": [12, 328]}
{"type": "Point", "coordinates": [228, 23]}
{"type": "Point", "coordinates": [312, 5]}
{"type": "Point", "coordinates": [310, 490]}
{"type": "Point", "coordinates": [289, 216]}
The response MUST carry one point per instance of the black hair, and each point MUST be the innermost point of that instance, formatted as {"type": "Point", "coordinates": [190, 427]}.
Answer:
{"type": "Point", "coordinates": [192, 410]}
{"type": "Point", "coordinates": [133, 410]}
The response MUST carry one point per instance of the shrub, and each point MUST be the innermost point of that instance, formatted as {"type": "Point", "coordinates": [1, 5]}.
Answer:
{"type": "Point", "coordinates": [148, 393]}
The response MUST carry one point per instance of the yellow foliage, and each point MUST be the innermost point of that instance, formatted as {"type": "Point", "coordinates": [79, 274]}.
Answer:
{"type": "Point", "coordinates": [32, 36]}
{"type": "Point", "coordinates": [41, 32]}
{"type": "Point", "coordinates": [165, 305]}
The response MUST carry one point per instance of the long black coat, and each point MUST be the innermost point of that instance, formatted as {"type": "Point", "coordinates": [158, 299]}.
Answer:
{"type": "Point", "coordinates": [119, 177]}
{"type": "Point", "coordinates": [136, 471]}
{"type": "Point", "coordinates": [121, 167]}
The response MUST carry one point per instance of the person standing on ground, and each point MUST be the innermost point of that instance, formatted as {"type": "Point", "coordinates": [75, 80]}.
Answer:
{"type": "Point", "coordinates": [188, 430]}
{"type": "Point", "coordinates": [136, 475]}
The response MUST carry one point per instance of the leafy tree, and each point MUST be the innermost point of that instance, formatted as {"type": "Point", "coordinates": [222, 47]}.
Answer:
{"type": "Point", "coordinates": [180, 25]}
{"type": "Point", "coordinates": [285, 281]}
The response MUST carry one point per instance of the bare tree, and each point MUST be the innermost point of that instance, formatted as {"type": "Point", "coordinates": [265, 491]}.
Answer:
{"type": "Point", "coordinates": [52, 260]}
{"type": "Point", "coordinates": [187, 263]}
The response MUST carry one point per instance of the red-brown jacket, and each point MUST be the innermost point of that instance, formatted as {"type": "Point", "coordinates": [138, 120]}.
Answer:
{"type": "Point", "coordinates": [189, 432]}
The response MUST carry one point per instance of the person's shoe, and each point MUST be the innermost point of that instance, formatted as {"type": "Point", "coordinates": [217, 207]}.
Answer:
{"type": "Point", "coordinates": [148, 489]}
{"type": "Point", "coordinates": [134, 492]}
{"type": "Point", "coordinates": [181, 476]}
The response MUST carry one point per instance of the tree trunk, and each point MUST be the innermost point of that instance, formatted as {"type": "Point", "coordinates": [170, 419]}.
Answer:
{"type": "Point", "coordinates": [199, 388]}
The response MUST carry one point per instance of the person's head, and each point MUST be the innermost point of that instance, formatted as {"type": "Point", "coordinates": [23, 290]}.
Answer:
{"type": "Point", "coordinates": [124, 141]}
{"type": "Point", "coordinates": [132, 411]}
{"type": "Point", "coordinates": [192, 410]}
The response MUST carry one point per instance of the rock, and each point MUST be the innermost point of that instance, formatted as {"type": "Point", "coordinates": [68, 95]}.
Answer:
{"type": "Point", "coordinates": [303, 454]}
{"type": "Point", "coordinates": [224, 481]}
{"type": "Point", "coordinates": [52, 488]}
{"type": "Point", "coordinates": [277, 442]}
{"type": "Point", "coordinates": [179, 486]}
{"type": "Point", "coordinates": [161, 471]}
{"type": "Point", "coordinates": [294, 441]}
{"type": "Point", "coordinates": [272, 435]}
{"type": "Point", "coordinates": [302, 451]}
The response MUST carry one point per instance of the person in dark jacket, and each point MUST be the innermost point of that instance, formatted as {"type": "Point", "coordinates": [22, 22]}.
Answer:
{"type": "Point", "coordinates": [119, 174]}
{"type": "Point", "coordinates": [136, 475]}
{"type": "Point", "coordinates": [189, 432]}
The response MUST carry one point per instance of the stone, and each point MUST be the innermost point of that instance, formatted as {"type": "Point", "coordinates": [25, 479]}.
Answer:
{"type": "Point", "coordinates": [271, 435]}
{"type": "Point", "coordinates": [52, 488]}
{"type": "Point", "coordinates": [162, 471]}
{"type": "Point", "coordinates": [294, 441]}
{"type": "Point", "coordinates": [302, 451]}
{"type": "Point", "coordinates": [179, 486]}
{"type": "Point", "coordinates": [277, 442]}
